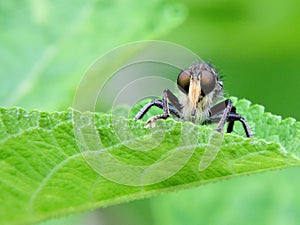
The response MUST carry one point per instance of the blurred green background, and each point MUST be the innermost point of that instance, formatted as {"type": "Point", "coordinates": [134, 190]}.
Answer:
{"type": "Point", "coordinates": [45, 47]}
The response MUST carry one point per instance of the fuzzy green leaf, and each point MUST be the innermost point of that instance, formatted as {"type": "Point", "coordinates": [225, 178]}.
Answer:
{"type": "Point", "coordinates": [45, 173]}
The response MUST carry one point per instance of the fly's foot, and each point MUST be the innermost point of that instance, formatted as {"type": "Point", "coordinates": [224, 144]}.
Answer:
{"type": "Point", "coordinates": [151, 121]}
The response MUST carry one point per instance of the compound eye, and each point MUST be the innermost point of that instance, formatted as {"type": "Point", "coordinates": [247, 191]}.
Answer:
{"type": "Point", "coordinates": [183, 81]}
{"type": "Point", "coordinates": [208, 82]}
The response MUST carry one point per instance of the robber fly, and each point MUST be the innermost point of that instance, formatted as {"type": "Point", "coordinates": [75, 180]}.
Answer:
{"type": "Point", "coordinates": [200, 89]}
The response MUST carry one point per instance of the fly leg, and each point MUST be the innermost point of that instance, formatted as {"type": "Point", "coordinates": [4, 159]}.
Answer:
{"type": "Point", "coordinates": [237, 117]}
{"type": "Point", "coordinates": [229, 115]}
{"type": "Point", "coordinates": [168, 109]}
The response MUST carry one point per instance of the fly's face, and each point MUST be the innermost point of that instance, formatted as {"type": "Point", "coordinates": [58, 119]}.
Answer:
{"type": "Point", "coordinates": [201, 87]}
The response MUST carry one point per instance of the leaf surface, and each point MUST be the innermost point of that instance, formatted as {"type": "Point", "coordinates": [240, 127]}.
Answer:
{"type": "Point", "coordinates": [45, 172]}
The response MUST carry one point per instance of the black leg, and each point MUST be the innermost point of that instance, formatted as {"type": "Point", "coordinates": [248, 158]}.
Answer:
{"type": "Point", "coordinates": [230, 126]}
{"type": "Point", "coordinates": [174, 100]}
{"type": "Point", "coordinates": [229, 115]}
{"type": "Point", "coordinates": [237, 117]}
{"type": "Point", "coordinates": [165, 108]}
{"type": "Point", "coordinates": [225, 115]}
{"type": "Point", "coordinates": [163, 104]}
{"type": "Point", "coordinates": [145, 109]}
{"type": "Point", "coordinates": [231, 122]}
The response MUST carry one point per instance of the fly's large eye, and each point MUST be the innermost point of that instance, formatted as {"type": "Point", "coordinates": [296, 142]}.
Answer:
{"type": "Point", "coordinates": [183, 82]}
{"type": "Point", "coordinates": [208, 82]}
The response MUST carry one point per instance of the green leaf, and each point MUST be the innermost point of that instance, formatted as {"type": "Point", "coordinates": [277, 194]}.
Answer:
{"type": "Point", "coordinates": [46, 46]}
{"type": "Point", "coordinates": [47, 171]}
